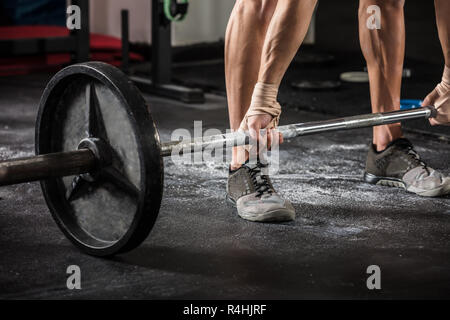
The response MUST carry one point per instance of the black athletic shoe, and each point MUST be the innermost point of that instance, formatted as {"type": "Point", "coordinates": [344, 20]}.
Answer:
{"type": "Point", "coordinates": [399, 165]}
{"type": "Point", "coordinates": [252, 193]}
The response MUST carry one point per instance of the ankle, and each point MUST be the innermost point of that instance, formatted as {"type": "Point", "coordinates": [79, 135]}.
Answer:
{"type": "Point", "coordinates": [384, 135]}
{"type": "Point", "coordinates": [238, 158]}
{"type": "Point", "coordinates": [381, 145]}
{"type": "Point", "coordinates": [235, 166]}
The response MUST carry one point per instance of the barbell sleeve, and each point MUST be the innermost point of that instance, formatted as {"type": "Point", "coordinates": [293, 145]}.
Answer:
{"type": "Point", "coordinates": [46, 166]}
{"type": "Point", "coordinates": [239, 138]}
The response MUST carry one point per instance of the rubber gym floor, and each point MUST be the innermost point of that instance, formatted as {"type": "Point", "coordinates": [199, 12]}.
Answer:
{"type": "Point", "coordinates": [200, 248]}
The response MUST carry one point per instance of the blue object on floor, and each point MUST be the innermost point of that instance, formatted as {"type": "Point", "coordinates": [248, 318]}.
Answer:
{"type": "Point", "coordinates": [406, 104]}
{"type": "Point", "coordinates": [28, 12]}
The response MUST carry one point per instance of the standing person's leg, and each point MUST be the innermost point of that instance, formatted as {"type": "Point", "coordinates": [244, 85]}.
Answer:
{"type": "Point", "coordinates": [244, 40]}
{"type": "Point", "coordinates": [285, 33]}
{"type": "Point", "coordinates": [284, 36]}
{"type": "Point", "coordinates": [248, 186]}
{"type": "Point", "coordinates": [250, 58]}
{"type": "Point", "coordinates": [442, 8]}
{"type": "Point", "coordinates": [440, 96]}
{"type": "Point", "coordinates": [384, 51]}
{"type": "Point", "coordinates": [391, 159]}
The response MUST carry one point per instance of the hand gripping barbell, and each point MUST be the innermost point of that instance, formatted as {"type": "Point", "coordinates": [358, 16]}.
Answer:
{"type": "Point", "coordinates": [99, 157]}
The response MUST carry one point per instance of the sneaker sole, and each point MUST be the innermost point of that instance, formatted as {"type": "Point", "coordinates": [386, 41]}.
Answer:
{"type": "Point", "coordinates": [398, 183]}
{"type": "Point", "coordinates": [279, 215]}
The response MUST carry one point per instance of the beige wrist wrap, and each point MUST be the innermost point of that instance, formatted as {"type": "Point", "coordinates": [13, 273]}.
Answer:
{"type": "Point", "coordinates": [443, 89]}
{"type": "Point", "coordinates": [264, 101]}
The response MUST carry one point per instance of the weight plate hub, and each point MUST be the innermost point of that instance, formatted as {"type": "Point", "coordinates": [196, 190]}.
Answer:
{"type": "Point", "coordinates": [113, 209]}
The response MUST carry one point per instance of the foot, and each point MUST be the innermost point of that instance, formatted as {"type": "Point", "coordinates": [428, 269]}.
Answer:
{"type": "Point", "coordinates": [254, 196]}
{"type": "Point", "coordinates": [399, 165]}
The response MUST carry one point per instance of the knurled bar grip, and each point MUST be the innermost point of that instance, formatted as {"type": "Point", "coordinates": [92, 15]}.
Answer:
{"type": "Point", "coordinates": [294, 130]}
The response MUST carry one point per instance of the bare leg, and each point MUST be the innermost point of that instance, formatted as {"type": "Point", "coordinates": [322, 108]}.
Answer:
{"type": "Point", "coordinates": [285, 34]}
{"type": "Point", "coordinates": [278, 41]}
{"type": "Point", "coordinates": [244, 40]}
{"type": "Point", "coordinates": [442, 8]}
{"type": "Point", "coordinates": [384, 51]}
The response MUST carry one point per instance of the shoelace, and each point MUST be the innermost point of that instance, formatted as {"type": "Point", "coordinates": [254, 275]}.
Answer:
{"type": "Point", "coordinates": [262, 186]}
{"type": "Point", "coordinates": [416, 158]}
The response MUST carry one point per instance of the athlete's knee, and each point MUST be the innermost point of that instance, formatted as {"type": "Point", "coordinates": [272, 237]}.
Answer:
{"type": "Point", "coordinates": [383, 4]}
{"type": "Point", "coordinates": [260, 9]}
{"type": "Point", "coordinates": [394, 4]}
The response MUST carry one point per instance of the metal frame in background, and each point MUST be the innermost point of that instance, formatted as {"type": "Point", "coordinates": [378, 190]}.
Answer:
{"type": "Point", "coordinates": [76, 43]}
{"type": "Point", "coordinates": [160, 82]}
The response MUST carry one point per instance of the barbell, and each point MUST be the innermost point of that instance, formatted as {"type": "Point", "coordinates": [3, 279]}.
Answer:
{"type": "Point", "coordinates": [100, 160]}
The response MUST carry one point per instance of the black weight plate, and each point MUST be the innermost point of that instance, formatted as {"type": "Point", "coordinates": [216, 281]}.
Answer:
{"type": "Point", "coordinates": [115, 213]}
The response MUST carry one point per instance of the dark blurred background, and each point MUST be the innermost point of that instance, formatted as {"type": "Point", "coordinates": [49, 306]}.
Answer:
{"type": "Point", "coordinates": [199, 38]}
{"type": "Point", "coordinates": [337, 28]}
{"type": "Point", "coordinates": [336, 23]}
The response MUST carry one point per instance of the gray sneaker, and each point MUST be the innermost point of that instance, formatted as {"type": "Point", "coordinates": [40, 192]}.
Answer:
{"type": "Point", "coordinates": [254, 196]}
{"type": "Point", "coordinates": [399, 165]}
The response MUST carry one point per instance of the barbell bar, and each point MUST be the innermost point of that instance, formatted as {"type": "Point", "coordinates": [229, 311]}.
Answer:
{"type": "Point", "coordinates": [84, 161]}
{"type": "Point", "coordinates": [99, 158]}
{"type": "Point", "coordinates": [239, 138]}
